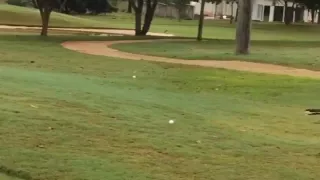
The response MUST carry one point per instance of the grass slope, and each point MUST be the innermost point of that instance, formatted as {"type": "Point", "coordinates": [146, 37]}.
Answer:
{"type": "Point", "coordinates": [296, 54]}
{"type": "Point", "coordinates": [15, 15]}
{"type": "Point", "coordinates": [65, 115]}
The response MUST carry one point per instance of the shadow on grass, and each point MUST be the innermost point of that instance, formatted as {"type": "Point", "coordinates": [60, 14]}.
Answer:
{"type": "Point", "coordinates": [15, 173]}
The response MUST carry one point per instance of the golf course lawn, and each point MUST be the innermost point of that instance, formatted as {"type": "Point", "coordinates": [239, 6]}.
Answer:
{"type": "Point", "coordinates": [304, 54]}
{"type": "Point", "coordinates": [66, 115]}
{"type": "Point", "coordinates": [71, 116]}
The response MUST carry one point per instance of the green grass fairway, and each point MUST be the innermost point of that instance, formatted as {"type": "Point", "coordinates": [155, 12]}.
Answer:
{"type": "Point", "coordinates": [296, 54]}
{"type": "Point", "coordinates": [65, 115]}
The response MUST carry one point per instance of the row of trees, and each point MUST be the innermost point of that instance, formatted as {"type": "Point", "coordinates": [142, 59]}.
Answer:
{"type": "Point", "coordinates": [142, 24]}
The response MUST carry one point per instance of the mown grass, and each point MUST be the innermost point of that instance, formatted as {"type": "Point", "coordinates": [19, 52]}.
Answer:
{"type": "Point", "coordinates": [65, 115]}
{"type": "Point", "coordinates": [303, 54]}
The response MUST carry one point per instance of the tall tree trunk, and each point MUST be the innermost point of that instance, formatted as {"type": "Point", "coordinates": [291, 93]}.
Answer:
{"type": "Point", "coordinates": [286, 13]}
{"type": "Point", "coordinates": [231, 18]}
{"type": "Point", "coordinates": [243, 27]}
{"type": "Point", "coordinates": [129, 10]}
{"type": "Point", "coordinates": [215, 10]}
{"type": "Point", "coordinates": [318, 17]}
{"type": "Point", "coordinates": [137, 7]}
{"type": "Point", "coordinates": [293, 13]}
{"type": "Point", "coordinates": [237, 13]}
{"type": "Point", "coordinates": [45, 8]}
{"type": "Point", "coordinates": [312, 15]}
{"type": "Point", "coordinates": [149, 16]}
{"type": "Point", "coordinates": [201, 18]}
{"type": "Point", "coordinates": [138, 23]}
{"type": "Point", "coordinates": [179, 14]}
{"type": "Point", "coordinates": [147, 22]}
{"type": "Point", "coordinates": [45, 21]}
{"type": "Point", "coordinates": [150, 9]}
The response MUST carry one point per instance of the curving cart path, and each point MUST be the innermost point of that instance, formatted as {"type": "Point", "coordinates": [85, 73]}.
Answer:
{"type": "Point", "coordinates": [103, 48]}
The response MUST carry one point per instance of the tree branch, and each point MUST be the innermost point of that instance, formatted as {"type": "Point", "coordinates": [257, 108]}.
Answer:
{"type": "Point", "coordinates": [133, 4]}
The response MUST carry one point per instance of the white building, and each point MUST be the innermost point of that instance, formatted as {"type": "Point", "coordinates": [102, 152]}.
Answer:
{"type": "Point", "coordinates": [262, 10]}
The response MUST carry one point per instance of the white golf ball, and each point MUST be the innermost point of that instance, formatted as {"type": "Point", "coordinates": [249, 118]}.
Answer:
{"type": "Point", "coordinates": [171, 121]}
{"type": "Point", "coordinates": [133, 77]}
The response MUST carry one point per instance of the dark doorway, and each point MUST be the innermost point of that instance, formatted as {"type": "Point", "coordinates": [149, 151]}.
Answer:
{"type": "Point", "coordinates": [266, 13]}
{"type": "Point", "coordinates": [299, 14]}
{"type": "Point", "coordinates": [289, 14]}
{"type": "Point", "coordinates": [278, 13]}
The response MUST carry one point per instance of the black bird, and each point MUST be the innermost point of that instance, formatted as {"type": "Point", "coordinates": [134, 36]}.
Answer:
{"type": "Point", "coordinates": [313, 111]}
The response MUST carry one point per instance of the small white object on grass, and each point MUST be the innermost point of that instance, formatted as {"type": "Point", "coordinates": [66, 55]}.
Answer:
{"type": "Point", "coordinates": [307, 113]}
{"type": "Point", "coordinates": [171, 121]}
{"type": "Point", "coordinates": [134, 76]}
{"type": "Point", "coordinates": [33, 106]}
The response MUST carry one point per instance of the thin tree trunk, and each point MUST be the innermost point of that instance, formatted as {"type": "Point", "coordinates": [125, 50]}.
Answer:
{"type": "Point", "coordinates": [318, 17]}
{"type": "Point", "coordinates": [138, 23]}
{"type": "Point", "coordinates": [312, 15]}
{"type": "Point", "coordinates": [149, 16]}
{"type": "Point", "coordinates": [45, 8]}
{"type": "Point", "coordinates": [231, 18]}
{"type": "Point", "coordinates": [201, 18]}
{"type": "Point", "coordinates": [244, 27]}
{"type": "Point", "coordinates": [129, 10]}
{"type": "Point", "coordinates": [179, 14]}
{"type": "Point", "coordinates": [138, 13]}
{"type": "Point", "coordinates": [215, 10]}
{"type": "Point", "coordinates": [293, 13]}
{"type": "Point", "coordinates": [237, 13]}
{"type": "Point", "coordinates": [147, 22]}
{"type": "Point", "coordinates": [286, 13]}
{"type": "Point", "coordinates": [45, 21]}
